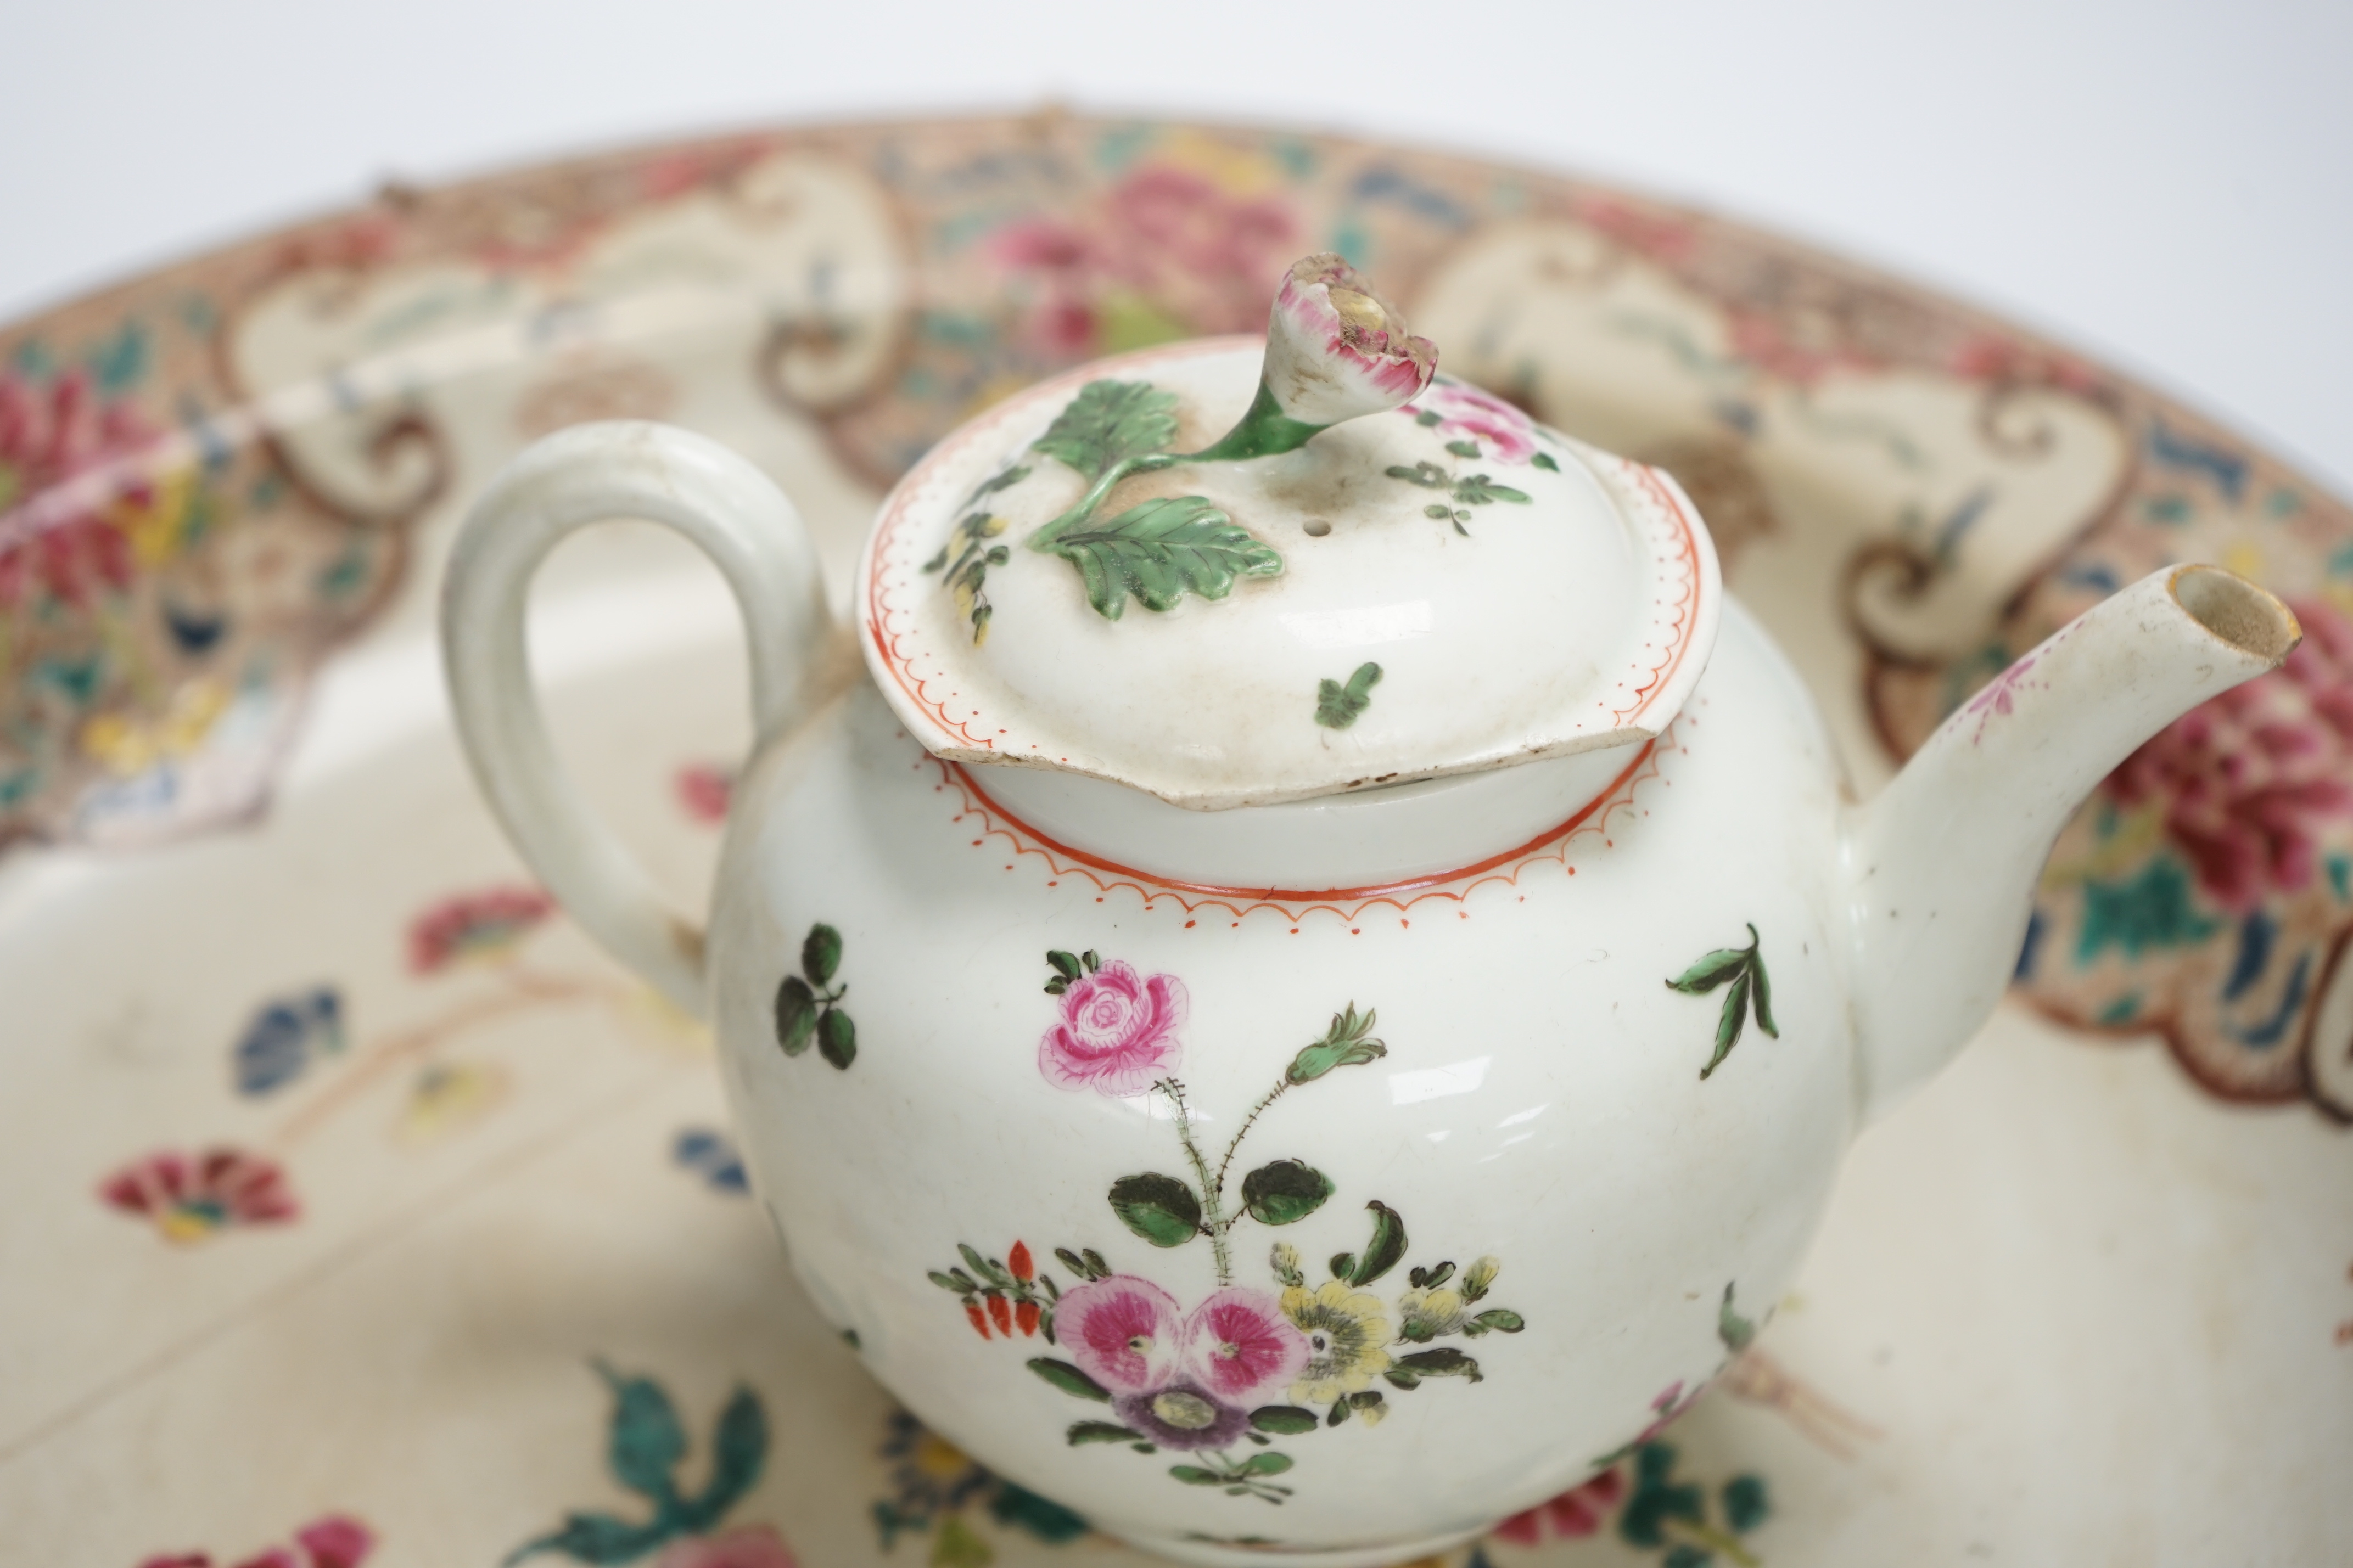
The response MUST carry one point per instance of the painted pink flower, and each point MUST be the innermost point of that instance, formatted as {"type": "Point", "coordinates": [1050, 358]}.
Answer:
{"type": "Point", "coordinates": [474, 925]}
{"type": "Point", "coordinates": [752, 1546]}
{"type": "Point", "coordinates": [1118, 1032]}
{"type": "Point", "coordinates": [2250, 781]}
{"type": "Point", "coordinates": [1125, 1333]}
{"type": "Point", "coordinates": [1336, 350]}
{"type": "Point", "coordinates": [189, 1199]}
{"type": "Point", "coordinates": [1579, 1511]}
{"type": "Point", "coordinates": [1239, 1342]}
{"type": "Point", "coordinates": [337, 1541]}
{"type": "Point", "coordinates": [1168, 253]}
{"type": "Point", "coordinates": [704, 791]}
{"type": "Point", "coordinates": [59, 542]}
{"type": "Point", "coordinates": [1503, 432]}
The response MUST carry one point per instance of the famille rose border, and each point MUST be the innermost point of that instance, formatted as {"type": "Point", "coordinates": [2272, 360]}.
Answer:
{"type": "Point", "coordinates": [1347, 904]}
{"type": "Point", "coordinates": [1679, 561]}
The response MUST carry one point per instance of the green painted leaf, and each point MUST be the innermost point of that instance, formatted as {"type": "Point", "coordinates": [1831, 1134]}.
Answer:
{"type": "Point", "coordinates": [1109, 421]}
{"type": "Point", "coordinates": [1763, 994]}
{"type": "Point", "coordinates": [1431, 1277]}
{"type": "Point", "coordinates": [1073, 1262]}
{"type": "Point", "coordinates": [821, 955]}
{"type": "Point", "coordinates": [1657, 1497]}
{"type": "Point", "coordinates": [645, 1441]}
{"type": "Point", "coordinates": [1085, 1432]}
{"type": "Point", "coordinates": [1544, 460]}
{"type": "Point", "coordinates": [1478, 1276]}
{"type": "Point", "coordinates": [1479, 490]}
{"type": "Point", "coordinates": [1429, 476]}
{"type": "Point", "coordinates": [1446, 1362]}
{"type": "Point", "coordinates": [1267, 1463]}
{"type": "Point", "coordinates": [739, 1447]}
{"type": "Point", "coordinates": [1386, 1249]}
{"type": "Point", "coordinates": [1746, 1502]}
{"type": "Point", "coordinates": [944, 1281]}
{"type": "Point", "coordinates": [597, 1538]}
{"type": "Point", "coordinates": [1438, 509]}
{"type": "Point", "coordinates": [1495, 1320]}
{"type": "Point", "coordinates": [1369, 1399]}
{"type": "Point", "coordinates": [1162, 550]}
{"type": "Point", "coordinates": [1728, 1023]}
{"type": "Point", "coordinates": [1283, 1260]}
{"type": "Point", "coordinates": [1724, 963]}
{"type": "Point", "coordinates": [1285, 1192]}
{"type": "Point", "coordinates": [1737, 1332]}
{"type": "Point", "coordinates": [1343, 1265]}
{"type": "Point", "coordinates": [1004, 481]}
{"type": "Point", "coordinates": [1161, 1209]}
{"type": "Point", "coordinates": [1401, 1379]}
{"type": "Point", "coordinates": [993, 1272]}
{"type": "Point", "coordinates": [1464, 449]}
{"type": "Point", "coordinates": [1346, 1044]}
{"type": "Point", "coordinates": [1339, 1412]}
{"type": "Point", "coordinates": [1069, 1379]}
{"type": "Point", "coordinates": [1195, 1476]}
{"type": "Point", "coordinates": [837, 1037]}
{"type": "Point", "coordinates": [796, 1015]}
{"type": "Point", "coordinates": [1428, 418]}
{"type": "Point", "coordinates": [1338, 706]}
{"type": "Point", "coordinates": [1286, 1420]}
{"type": "Point", "coordinates": [1065, 964]}
{"type": "Point", "coordinates": [1046, 1519]}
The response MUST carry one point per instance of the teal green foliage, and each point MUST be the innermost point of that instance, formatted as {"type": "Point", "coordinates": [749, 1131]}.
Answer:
{"type": "Point", "coordinates": [1160, 551]}
{"type": "Point", "coordinates": [644, 1443]}
{"type": "Point", "coordinates": [806, 1011]}
{"type": "Point", "coordinates": [1741, 969]}
{"type": "Point", "coordinates": [1663, 1512]}
{"type": "Point", "coordinates": [2153, 909]}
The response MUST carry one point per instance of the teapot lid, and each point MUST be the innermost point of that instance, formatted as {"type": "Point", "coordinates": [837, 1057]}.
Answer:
{"type": "Point", "coordinates": [1376, 574]}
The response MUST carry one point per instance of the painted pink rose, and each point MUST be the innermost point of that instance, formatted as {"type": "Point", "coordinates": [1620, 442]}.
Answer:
{"type": "Point", "coordinates": [1125, 1333]}
{"type": "Point", "coordinates": [752, 1546]}
{"type": "Point", "coordinates": [2251, 782]}
{"type": "Point", "coordinates": [1503, 432]}
{"type": "Point", "coordinates": [1118, 1033]}
{"type": "Point", "coordinates": [1239, 1342]}
{"type": "Point", "coordinates": [1336, 350]}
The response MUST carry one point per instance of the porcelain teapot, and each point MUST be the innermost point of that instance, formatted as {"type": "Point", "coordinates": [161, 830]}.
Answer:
{"type": "Point", "coordinates": [1312, 991]}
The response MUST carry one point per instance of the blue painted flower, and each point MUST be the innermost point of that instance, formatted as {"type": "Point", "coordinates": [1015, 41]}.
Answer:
{"type": "Point", "coordinates": [282, 1037]}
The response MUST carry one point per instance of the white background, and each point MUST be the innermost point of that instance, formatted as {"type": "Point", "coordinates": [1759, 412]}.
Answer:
{"type": "Point", "coordinates": [2167, 186]}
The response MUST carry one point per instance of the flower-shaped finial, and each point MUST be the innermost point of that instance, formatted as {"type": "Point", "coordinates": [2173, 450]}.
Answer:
{"type": "Point", "coordinates": [1334, 350]}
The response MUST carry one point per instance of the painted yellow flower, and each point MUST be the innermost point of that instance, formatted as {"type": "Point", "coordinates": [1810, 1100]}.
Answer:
{"type": "Point", "coordinates": [1348, 1334]}
{"type": "Point", "coordinates": [1424, 1314]}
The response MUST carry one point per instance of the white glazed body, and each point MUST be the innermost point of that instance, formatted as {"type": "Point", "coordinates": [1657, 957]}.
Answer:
{"type": "Point", "coordinates": [1540, 1102]}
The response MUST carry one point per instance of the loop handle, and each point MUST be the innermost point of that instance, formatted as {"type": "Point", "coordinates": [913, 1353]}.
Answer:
{"type": "Point", "coordinates": [594, 473]}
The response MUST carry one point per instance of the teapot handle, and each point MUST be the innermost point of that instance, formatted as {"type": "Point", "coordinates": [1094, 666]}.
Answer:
{"type": "Point", "coordinates": [593, 473]}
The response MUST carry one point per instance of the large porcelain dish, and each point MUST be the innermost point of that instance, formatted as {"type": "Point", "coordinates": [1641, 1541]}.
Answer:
{"type": "Point", "coordinates": [353, 1194]}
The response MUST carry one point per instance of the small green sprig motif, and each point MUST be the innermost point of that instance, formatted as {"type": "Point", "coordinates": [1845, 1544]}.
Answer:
{"type": "Point", "coordinates": [1468, 490]}
{"type": "Point", "coordinates": [1338, 706]}
{"type": "Point", "coordinates": [968, 544]}
{"type": "Point", "coordinates": [1743, 969]}
{"type": "Point", "coordinates": [806, 1010]}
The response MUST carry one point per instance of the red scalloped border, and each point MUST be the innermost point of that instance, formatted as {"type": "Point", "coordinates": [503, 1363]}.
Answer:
{"type": "Point", "coordinates": [1348, 904]}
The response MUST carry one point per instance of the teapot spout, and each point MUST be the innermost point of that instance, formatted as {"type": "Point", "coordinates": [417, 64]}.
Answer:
{"type": "Point", "coordinates": [1941, 866]}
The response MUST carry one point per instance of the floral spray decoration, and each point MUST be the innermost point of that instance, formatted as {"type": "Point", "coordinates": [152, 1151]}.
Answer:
{"type": "Point", "coordinates": [1221, 1377]}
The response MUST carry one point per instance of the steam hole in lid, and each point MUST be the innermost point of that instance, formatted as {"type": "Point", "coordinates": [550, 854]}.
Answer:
{"type": "Point", "coordinates": [1315, 527]}
{"type": "Point", "coordinates": [2238, 612]}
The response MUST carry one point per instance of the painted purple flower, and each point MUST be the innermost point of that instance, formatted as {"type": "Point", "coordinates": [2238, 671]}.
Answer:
{"type": "Point", "coordinates": [1336, 350]}
{"type": "Point", "coordinates": [1118, 1032]}
{"type": "Point", "coordinates": [1503, 431]}
{"type": "Point", "coordinates": [1125, 1333]}
{"type": "Point", "coordinates": [1182, 1416]}
{"type": "Point", "coordinates": [1239, 1342]}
